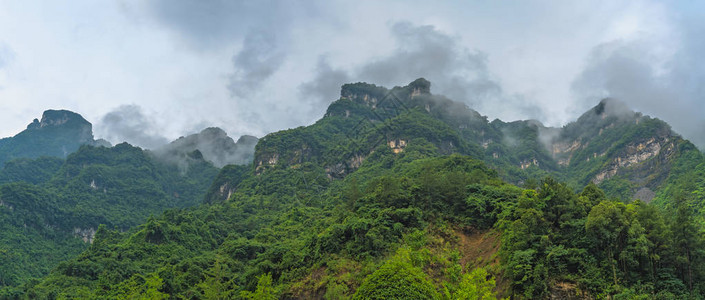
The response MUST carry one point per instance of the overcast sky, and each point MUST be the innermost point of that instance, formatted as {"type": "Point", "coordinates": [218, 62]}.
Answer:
{"type": "Point", "coordinates": [151, 71]}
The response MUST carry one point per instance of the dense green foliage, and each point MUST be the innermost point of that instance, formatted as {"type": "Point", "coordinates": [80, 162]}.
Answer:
{"type": "Point", "coordinates": [29, 248]}
{"type": "Point", "coordinates": [287, 223]}
{"type": "Point", "coordinates": [396, 280]}
{"type": "Point", "coordinates": [685, 181]}
{"type": "Point", "coordinates": [292, 223]}
{"type": "Point", "coordinates": [604, 247]}
{"type": "Point", "coordinates": [51, 207]}
{"type": "Point", "coordinates": [34, 171]}
{"type": "Point", "coordinates": [226, 181]}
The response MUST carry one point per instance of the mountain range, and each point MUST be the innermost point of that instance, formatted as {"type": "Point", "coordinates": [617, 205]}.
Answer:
{"type": "Point", "coordinates": [394, 180]}
{"type": "Point", "coordinates": [624, 152]}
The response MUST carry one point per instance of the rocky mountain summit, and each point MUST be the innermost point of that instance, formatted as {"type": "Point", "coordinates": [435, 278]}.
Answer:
{"type": "Point", "coordinates": [58, 133]}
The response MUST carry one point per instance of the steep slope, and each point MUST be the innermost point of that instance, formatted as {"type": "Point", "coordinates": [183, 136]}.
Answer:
{"type": "Point", "coordinates": [59, 133]}
{"type": "Point", "coordinates": [215, 145]}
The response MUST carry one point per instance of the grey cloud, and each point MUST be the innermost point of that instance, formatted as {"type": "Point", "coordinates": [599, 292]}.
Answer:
{"type": "Point", "coordinates": [128, 123]}
{"type": "Point", "coordinates": [455, 71]}
{"type": "Point", "coordinates": [325, 86]}
{"type": "Point", "coordinates": [259, 58]}
{"type": "Point", "coordinates": [626, 71]}
{"type": "Point", "coordinates": [262, 31]}
{"type": "Point", "coordinates": [205, 24]}
{"type": "Point", "coordinates": [423, 51]}
{"type": "Point", "coordinates": [261, 28]}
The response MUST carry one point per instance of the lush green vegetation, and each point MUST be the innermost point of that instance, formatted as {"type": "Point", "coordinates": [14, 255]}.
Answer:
{"type": "Point", "coordinates": [276, 225]}
{"type": "Point", "coordinates": [29, 248]}
{"type": "Point", "coordinates": [601, 246]}
{"type": "Point", "coordinates": [50, 207]}
{"type": "Point", "coordinates": [282, 236]}
{"type": "Point", "coordinates": [34, 171]}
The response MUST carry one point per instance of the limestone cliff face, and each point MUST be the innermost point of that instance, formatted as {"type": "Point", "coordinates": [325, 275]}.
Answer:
{"type": "Point", "coordinates": [363, 93]}
{"type": "Point", "coordinates": [563, 151]}
{"type": "Point", "coordinates": [637, 153]}
{"type": "Point", "coordinates": [397, 145]}
{"type": "Point", "coordinates": [340, 169]}
{"type": "Point", "coordinates": [226, 183]}
{"type": "Point", "coordinates": [420, 87]}
{"type": "Point", "coordinates": [263, 161]}
{"type": "Point", "coordinates": [86, 234]}
{"type": "Point", "coordinates": [528, 163]}
{"type": "Point", "coordinates": [224, 191]}
{"type": "Point", "coordinates": [68, 120]}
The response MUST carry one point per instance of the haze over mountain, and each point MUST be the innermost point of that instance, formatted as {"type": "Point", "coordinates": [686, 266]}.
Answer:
{"type": "Point", "coordinates": [215, 145]}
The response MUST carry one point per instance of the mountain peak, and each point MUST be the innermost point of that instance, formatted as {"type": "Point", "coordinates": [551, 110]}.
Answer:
{"type": "Point", "coordinates": [612, 107]}
{"type": "Point", "coordinates": [420, 86]}
{"type": "Point", "coordinates": [58, 133]}
{"type": "Point", "coordinates": [362, 90]}
{"type": "Point", "coordinates": [214, 132]}
{"type": "Point", "coordinates": [247, 140]}
{"type": "Point", "coordinates": [61, 117]}
{"type": "Point", "coordinates": [605, 113]}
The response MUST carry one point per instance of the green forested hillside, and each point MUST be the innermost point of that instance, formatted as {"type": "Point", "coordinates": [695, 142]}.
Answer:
{"type": "Point", "coordinates": [624, 152]}
{"type": "Point", "coordinates": [288, 237]}
{"type": "Point", "coordinates": [286, 224]}
{"type": "Point", "coordinates": [50, 208]}
{"type": "Point", "coordinates": [29, 246]}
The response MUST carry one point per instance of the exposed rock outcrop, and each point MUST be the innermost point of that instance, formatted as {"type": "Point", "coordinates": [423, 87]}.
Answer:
{"type": "Point", "coordinates": [397, 145]}
{"type": "Point", "coordinates": [634, 154]}
{"type": "Point", "coordinates": [86, 234]}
